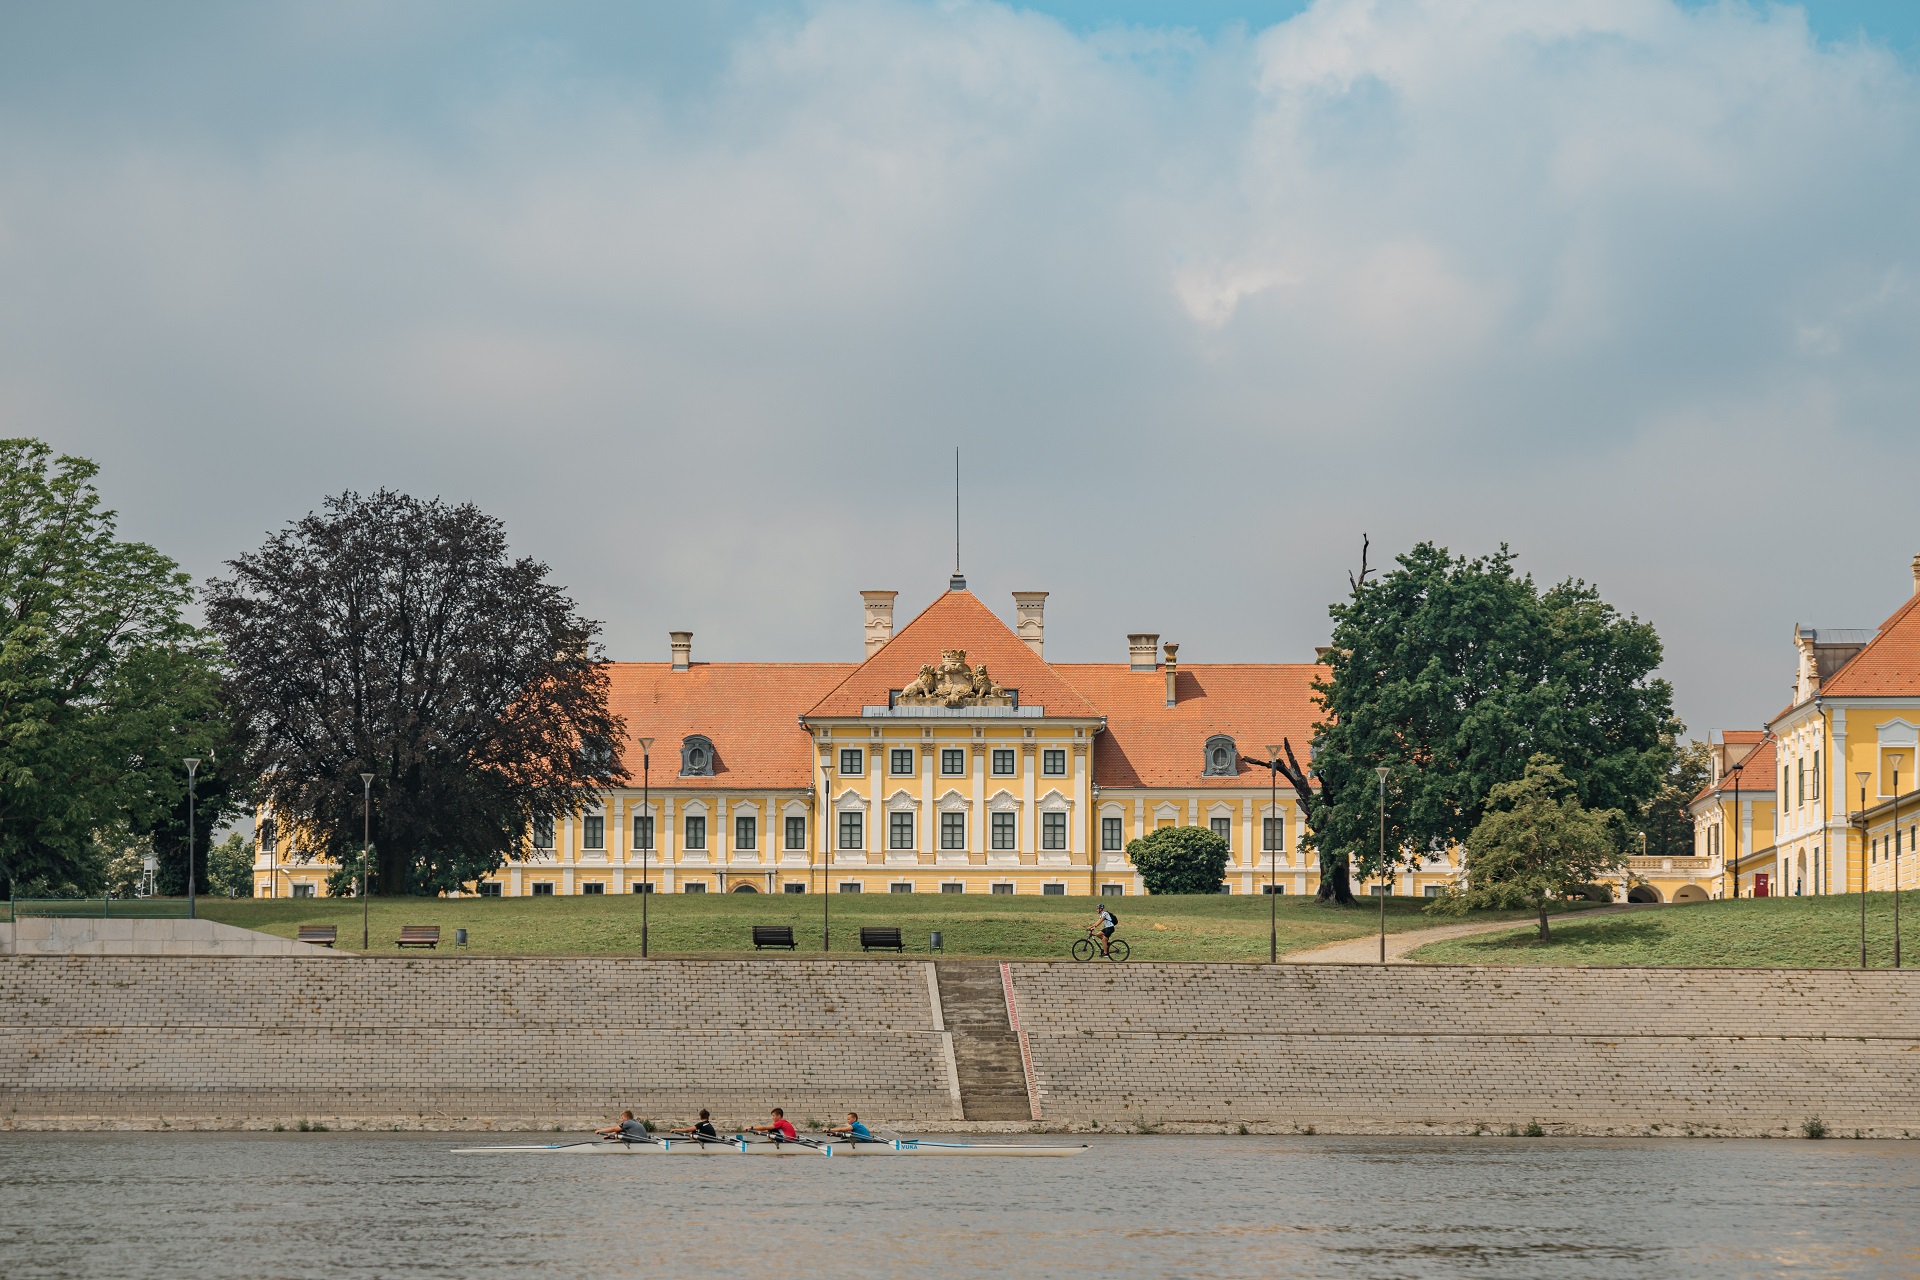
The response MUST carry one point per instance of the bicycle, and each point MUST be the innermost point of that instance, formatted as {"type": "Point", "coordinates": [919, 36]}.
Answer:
{"type": "Point", "coordinates": [1088, 949]}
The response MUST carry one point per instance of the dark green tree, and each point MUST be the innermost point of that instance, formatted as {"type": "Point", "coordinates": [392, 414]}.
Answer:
{"type": "Point", "coordinates": [1666, 818]}
{"type": "Point", "coordinates": [1453, 673]}
{"type": "Point", "coordinates": [104, 688]}
{"type": "Point", "coordinates": [1180, 860]}
{"type": "Point", "coordinates": [396, 637]}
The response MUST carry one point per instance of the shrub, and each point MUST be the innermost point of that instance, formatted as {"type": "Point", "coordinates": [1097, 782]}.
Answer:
{"type": "Point", "coordinates": [1814, 1127]}
{"type": "Point", "coordinates": [1180, 860]}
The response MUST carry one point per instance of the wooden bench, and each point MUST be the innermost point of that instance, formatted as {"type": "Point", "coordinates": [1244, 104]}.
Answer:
{"type": "Point", "coordinates": [772, 935]}
{"type": "Point", "coordinates": [319, 935]}
{"type": "Point", "coordinates": [873, 938]}
{"type": "Point", "coordinates": [419, 935]}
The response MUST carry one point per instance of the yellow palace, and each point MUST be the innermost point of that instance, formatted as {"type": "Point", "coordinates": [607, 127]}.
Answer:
{"type": "Point", "coordinates": [953, 759]}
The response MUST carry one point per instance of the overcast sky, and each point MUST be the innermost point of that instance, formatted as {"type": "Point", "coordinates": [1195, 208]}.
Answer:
{"type": "Point", "coordinates": [700, 298]}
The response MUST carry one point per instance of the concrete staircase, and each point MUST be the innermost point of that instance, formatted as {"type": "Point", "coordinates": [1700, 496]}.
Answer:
{"type": "Point", "coordinates": [993, 1084]}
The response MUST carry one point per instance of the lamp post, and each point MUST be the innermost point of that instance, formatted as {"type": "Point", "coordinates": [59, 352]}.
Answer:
{"type": "Point", "coordinates": [193, 767]}
{"type": "Point", "coordinates": [1734, 823]}
{"type": "Point", "coordinates": [1894, 756]}
{"type": "Point", "coordinates": [1386, 884]}
{"type": "Point", "coordinates": [366, 843]}
{"type": "Point", "coordinates": [1273, 854]}
{"type": "Point", "coordinates": [646, 813]}
{"type": "Point", "coordinates": [1861, 777]}
{"type": "Point", "coordinates": [826, 850]}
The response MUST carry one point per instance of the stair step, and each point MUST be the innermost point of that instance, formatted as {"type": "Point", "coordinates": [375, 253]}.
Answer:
{"type": "Point", "coordinates": [986, 1052]}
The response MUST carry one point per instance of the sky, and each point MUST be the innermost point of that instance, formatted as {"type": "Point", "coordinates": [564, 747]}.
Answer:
{"type": "Point", "coordinates": [700, 300]}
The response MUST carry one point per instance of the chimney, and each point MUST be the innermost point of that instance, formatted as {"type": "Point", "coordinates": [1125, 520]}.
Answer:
{"type": "Point", "coordinates": [879, 618]}
{"type": "Point", "coordinates": [1030, 619]}
{"type": "Point", "coordinates": [1140, 651]}
{"type": "Point", "coordinates": [682, 649]}
{"type": "Point", "coordinates": [1916, 575]}
{"type": "Point", "coordinates": [1173, 668]}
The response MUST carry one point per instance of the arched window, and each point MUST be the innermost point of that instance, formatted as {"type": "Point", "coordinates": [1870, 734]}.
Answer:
{"type": "Point", "coordinates": [696, 756]}
{"type": "Point", "coordinates": [1222, 758]}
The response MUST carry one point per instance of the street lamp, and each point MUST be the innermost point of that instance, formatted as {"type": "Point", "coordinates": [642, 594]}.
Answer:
{"type": "Point", "coordinates": [1894, 758]}
{"type": "Point", "coordinates": [366, 840]}
{"type": "Point", "coordinates": [1271, 829]}
{"type": "Point", "coordinates": [193, 767]}
{"type": "Point", "coordinates": [1735, 824]}
{"type": "Point", "coordinates": [646, 813]}
{"type": "Point", "coordinates": [1861, 777]}
{"type": "Point", "coordinates": [1386, 886]}
{"type": "Point", "coordinates": [826, 850]}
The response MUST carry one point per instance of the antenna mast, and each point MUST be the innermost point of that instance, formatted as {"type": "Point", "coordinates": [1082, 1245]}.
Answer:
{"type": "Point", "coordinates": [957, 583]}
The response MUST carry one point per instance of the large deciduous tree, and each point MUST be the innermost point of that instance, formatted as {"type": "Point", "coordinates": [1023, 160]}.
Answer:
{"type": "Point", "coordinates": [1452, 673]}
{"type": "Point", "coordinates": [103, 687]}
{"type": "Point", "coordinates": [396, 637]}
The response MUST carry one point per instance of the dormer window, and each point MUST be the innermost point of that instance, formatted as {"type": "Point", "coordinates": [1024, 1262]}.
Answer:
{"type": "Point", "coordinates": [1222, 759]}
{"type": "Point", "coordinates": [696, 756]}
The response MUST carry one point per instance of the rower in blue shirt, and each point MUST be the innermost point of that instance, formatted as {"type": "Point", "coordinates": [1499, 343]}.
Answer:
{"type": "Point", "coordinates": [852, 1130]}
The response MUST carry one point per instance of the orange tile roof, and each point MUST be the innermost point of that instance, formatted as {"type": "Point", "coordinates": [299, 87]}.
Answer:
{"type": "Point", "coordinates": [956, 620]}
{"type": "Point", "coordinates": [1149, 744]}
{"type": "Point", "coordinates": [1755, 771]}
{"type": "Point", "coordinates": [751, 711]}
{"type": "Point", "coordinates": [1889, 665]}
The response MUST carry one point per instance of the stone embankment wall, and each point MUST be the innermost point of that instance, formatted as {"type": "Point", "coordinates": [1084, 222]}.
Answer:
{"type": "Point", "coordinates": [85, 935]}
{"type": "Point", "coordinates": [462, 1043]}
{"type": "Point", "coordinates": [1359, 1048]}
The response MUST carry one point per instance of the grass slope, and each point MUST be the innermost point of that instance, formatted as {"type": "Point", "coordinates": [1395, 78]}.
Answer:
{"type": "Point", "coordinates": [1200, 927]}
{"type": "Point", "coordinates": [1819, 933]}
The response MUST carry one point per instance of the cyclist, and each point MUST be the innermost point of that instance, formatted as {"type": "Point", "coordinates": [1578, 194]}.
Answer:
{"type": "Point", "coordinates": [1104, 923]}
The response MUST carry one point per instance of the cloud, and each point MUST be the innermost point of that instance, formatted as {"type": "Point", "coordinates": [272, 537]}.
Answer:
{"type": "Point", "coordinates": [701, 306]}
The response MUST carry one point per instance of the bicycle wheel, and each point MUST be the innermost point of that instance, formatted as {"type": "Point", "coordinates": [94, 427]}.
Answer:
{"type": "Point", "coordinates": [1083, 949]}
{"type": "Point", "coordinates": [1117, 950]}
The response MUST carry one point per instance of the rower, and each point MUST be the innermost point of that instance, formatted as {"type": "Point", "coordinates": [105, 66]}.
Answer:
{"type": "Point", "coordinates": [780, 1128]}
{"type": "Point", "coordinates": [852, 1130]}
{"type": "Point", "coordinates": [626, 1129]}
{"type": "Point", "coordinates": [701, 1129]}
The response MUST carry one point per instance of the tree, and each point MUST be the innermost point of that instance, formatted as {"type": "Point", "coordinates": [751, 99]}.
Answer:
{"type": "Point", "coordinates": [230, 867]}
{"type": "Point", "coordinates": [1452, 673]}
{"type": "Point", "coordinates": [1535, 846]}
{"type": "Point", "coordinates": [1180, 860]}
{"type": "Point", "coordinates": [103, 687]}
{"type": "Point", "coordinates": [391, 636]}
{"type": "Point", "coordinates": [1667, 820]}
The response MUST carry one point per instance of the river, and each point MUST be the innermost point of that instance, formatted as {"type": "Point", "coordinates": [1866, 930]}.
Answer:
{"type": "Point", "coordinates": [267, 1206]}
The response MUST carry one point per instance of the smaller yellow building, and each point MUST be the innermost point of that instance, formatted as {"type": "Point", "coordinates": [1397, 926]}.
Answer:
{"type": "Point", "coordinates": [1733, 829]}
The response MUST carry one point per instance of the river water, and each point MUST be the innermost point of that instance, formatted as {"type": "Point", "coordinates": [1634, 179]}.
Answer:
{"type": "Point", "coordinates": [266, 1206]}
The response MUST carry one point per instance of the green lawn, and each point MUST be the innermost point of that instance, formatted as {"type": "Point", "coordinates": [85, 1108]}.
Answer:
{"type": "Point", "coordinates": [1819, 933]}
{"type": "Point", "coordinates": [1163, 928]}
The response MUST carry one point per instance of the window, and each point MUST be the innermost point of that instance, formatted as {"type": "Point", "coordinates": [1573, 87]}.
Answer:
{"type": "Point", "coordinates": [696, 756]}
{"type": "Point", "coordinates": [1113, 834]}
{"type": "Point", "coordinates": [646, 887]}
{"type": "Point", "coordinates": [593, 831]}
{"type": "Point", "coordinates": [1800, 775]}
{"type": "Point", "coordinates": [1380, 890]}
{"type": "Point", "coordinates": [902, 760]}
{"type": "Point", "coordinates": [746, 833]}
{"type": "Point", "coordinates": [1816, 775]}
{"type": "Point", "coordinates": [1431, 891]}
{"type": "Point", "coordinates": [1224, 888]}
{"type": "Point", "coordinates": [953, 761]}
{"type": "Point", "coordinates": [642, 831]}
{"type": "Point", "coordinates": [796, 833]}
{"type": "Point", "coordinates": [849, 886]}
{"type": "Point", "coordinates": [1223, 827]}
{"type": "Point", "coordinates": [853, 762]}
{"type": "Point", "coordinates": [543, 889]}
{"type": "Point", "coordinates": [1273, 837]}
{"type": "Point", "coordinates": [303, 891]}
{"type": "Point", "coordinates": [1053, 762]}
{"type": "Point", "coordinates": [1003, 831]}
{"type": "Point", "coordinates": [1001, 888]}
{"type": "Point", "coordinates": [953, 831]}
{"type": "Point", "coordinates": [1113, 891]}
{"type": "Point", "coordinates": [1003, 762]}
{"type": "Point", "coordinates": [694, 886]}
{"type": "Point", "coordinates": [1053, 890]}
{"type": "Point", "coordinates": [594, 886]}
{"type": "Point", "coordinates": [543, 833]}
{"type": "Point", "coordinates": [1053, 831]}
{"type": "Point", "coordinates": [1273, 888]}
{"type": "Point", "coordinates": [953, 887]}
{"type": "Point", "coordinates": [489, 888]}
{"type": "Point", "coordinates": [696, 831]}
{"type": "Point", "coordinates": [1222, 759]}
{"type": "Point", "coordinates": [900, 886]}
{"type": "Point", "coordinates": [792, 886]}
{"type": "Point", "coordinates": [900, 831]}
{"type": "Point", "coordinates": [851, 835]}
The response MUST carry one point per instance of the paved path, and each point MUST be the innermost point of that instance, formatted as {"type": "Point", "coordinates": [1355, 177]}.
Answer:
{"type": "Point", "coordinates": [1367, 950]}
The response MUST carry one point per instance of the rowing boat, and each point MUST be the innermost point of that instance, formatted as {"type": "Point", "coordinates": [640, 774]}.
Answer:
{"type": "Point", "coordinates": [737, 1146]}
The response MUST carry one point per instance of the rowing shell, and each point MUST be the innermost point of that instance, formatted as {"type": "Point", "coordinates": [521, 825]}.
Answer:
{"type": "Point", "coordinates": [745, 1147]}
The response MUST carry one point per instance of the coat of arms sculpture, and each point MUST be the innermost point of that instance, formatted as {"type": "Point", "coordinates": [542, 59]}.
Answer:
{"type": "Point", "coordinates": [953, 684]}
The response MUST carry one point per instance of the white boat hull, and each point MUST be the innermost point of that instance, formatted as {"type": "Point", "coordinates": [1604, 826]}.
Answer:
{"type": "Point", "coordinates": [736, 1147]}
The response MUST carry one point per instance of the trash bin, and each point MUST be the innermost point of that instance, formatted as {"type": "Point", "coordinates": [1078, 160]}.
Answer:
{"type": "Point", "coordinates": [936, 941]}
{"type": "Point", "coordinates": [459, 937]}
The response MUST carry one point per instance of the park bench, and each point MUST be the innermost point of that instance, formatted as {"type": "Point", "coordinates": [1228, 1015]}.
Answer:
{"type": "Point", "coordinates": [319, 935]}
{"type": "Point", "coordinates": [873, 938]}
{"type": "Point", "coordinates": [772, 935]}
{"type": "Point", "coordinates": [419, 935]}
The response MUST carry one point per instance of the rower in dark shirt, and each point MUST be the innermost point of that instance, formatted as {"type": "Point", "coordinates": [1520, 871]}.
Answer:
{"type": "Point", "coordinates": [701, 1128]}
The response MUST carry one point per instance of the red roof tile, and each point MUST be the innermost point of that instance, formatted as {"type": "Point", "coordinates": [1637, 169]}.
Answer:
{"type": "Point", "coordinates": [751, 711]}
{"type": "Point", "coordinates": [1149, 744]}
{"type": "Point", "coordinates": [1889, 665]}
{"type": "Point", "coordinates": [956, 620]}
{"type": "Point", "coordinates": [1755, 770]}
